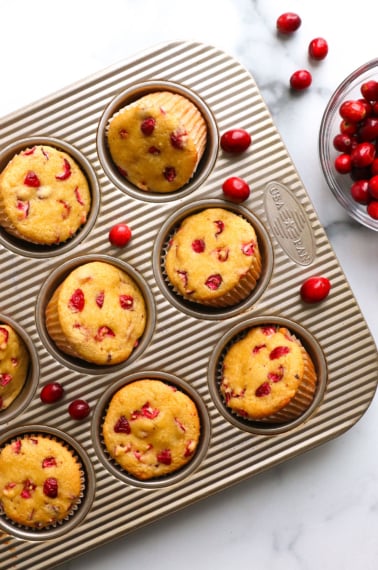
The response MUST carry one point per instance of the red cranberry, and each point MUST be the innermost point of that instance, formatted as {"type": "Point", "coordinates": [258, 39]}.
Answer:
{"type": "Point", "coordinates": [79, 409]}
{"type": "Point", "coordinates": [318, 48]}
{"type": "Point", "coordinates": [315, 289]}
{"type": "Point", "coordinates": [300, 80]}
{"type": "Point", "coordinates": [373, 187]}
{"type": "Point", "coordinates": [363, 155]}
{"type": "Point", "coordinates": [50, 487]}
{"type": "Point", "coordinates": [372, 209]}
{"type": "Point", "coordinates": [236, 189]}
{"type": "Point", "coordinates": [352, 111]}
{"type": "Point", "coordinates": [51, 393]}
{"type": "Point", "coordinates": [360, 191]}
{"type": "Point", "coordinates": [235, 141]}
{"type": "Point", "coordinates": [288, 22]}
{"type": "Point", "coordinates": [120, 235]}
{"type": "Point", "coordinates": [342, 142]}
{"type": "Point", "coordinates": [343, 163]}
{"type": "Point", "coordinates": [369, 129]}
{"type": "Point", "coordinates": [348, 128]}
{"type": "Point", "coordinates": [369, 90]}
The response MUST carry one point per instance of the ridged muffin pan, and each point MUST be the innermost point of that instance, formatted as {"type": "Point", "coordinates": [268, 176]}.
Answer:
{"type": "Point", "coordinates": [183, 343]}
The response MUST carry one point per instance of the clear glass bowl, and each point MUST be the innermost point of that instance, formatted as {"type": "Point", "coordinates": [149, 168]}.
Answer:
{"type": "Point", "coordinates": [340, 183]}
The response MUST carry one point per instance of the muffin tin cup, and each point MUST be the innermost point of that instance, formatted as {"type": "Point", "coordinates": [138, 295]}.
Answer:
{"type": "Point", "coordinates": [54, 280]}
{"type": "Point", "coordinates": [276, 423]}
{"type": "Point", "coordinates": [206, 311]}
{"type": "Point", "coordinates": [166, 480]}
{"type": "Point", "coordinates": [30, 249]}
{"type": "Point", "coordinates": [79, 511]}
{"type": "Point", "coordinates": [134, 92]}
{"type": "Point", "coordinates": [30, 386]}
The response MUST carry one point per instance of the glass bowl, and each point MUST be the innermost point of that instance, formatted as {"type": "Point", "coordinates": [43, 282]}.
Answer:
{"type": "Point", "coordinates": [340, 184]}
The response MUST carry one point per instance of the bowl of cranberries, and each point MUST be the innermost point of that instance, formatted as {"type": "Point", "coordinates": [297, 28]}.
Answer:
{"type": "Point", "coordinates": [348, 144]}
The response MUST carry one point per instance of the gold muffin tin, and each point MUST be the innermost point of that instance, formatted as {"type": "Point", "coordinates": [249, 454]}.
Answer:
{"type": "Point", "coordinates": [183, 342]}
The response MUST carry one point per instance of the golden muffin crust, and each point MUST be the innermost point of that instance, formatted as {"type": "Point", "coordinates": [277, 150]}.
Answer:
{"type": "Point", "coordinates": [40, 481]}
{"type": "Point", "coordinates": [263, 373]}
{"type": "Point", "coordinates": [44, 196]}
{"type": "Point", "coordinates": [151, 428]}
{"type": "Point", "coordinates": [157, 141]}
{"type": "Point", "coordinates": [98, 314]}
{"type": "Point", "coordinates": [14, 365]}
{"type": "Point", "coordinates": [214, 258]}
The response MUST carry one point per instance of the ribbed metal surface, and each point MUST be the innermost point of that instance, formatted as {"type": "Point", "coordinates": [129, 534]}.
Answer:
{"type": "Point", "coordinates": [181, 344]}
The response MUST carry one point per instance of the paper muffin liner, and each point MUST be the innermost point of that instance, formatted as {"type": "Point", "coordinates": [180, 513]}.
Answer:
{"type": "Point", "coordinates": [76, 511]}
{"type": "Point", "coordinates": [162, 480]}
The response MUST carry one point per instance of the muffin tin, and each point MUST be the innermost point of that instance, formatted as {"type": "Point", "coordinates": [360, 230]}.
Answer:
{"type": "Point", "coordinates": [183, 343]}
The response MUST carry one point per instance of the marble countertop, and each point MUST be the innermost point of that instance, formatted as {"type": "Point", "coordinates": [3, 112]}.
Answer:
{"type": "Point", "coordinates": [320, 509]}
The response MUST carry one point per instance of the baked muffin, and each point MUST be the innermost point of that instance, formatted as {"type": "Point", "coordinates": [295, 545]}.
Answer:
{"type": "Point", "coordinates": [14, 365]}
{"type": "Point", "coordinates": [40, 481]}
{"type": "Point", "coordinates": [214, 258]}
{"type": "Point", "coordinates": [44, 196]}
{"type": "Point", "coordinates": [268, 375]}
{"type": "Point", "coordinates": [157, 141]}
{"type": "Point", "coordinates": [151, 428]}
{"type": "Point", "coordinates": [97, 314]}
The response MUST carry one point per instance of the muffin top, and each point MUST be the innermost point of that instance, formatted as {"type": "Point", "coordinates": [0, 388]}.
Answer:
{"type": "Point", "coordinates": [100, 313]}
{"type": "Point", "coordinates": [262, 372]}
{"type": "Point", "coordinates": [210, 253]}
{"type": "Point", "coordinates": [151, 428]}
{"type": "Point", "coordinates": [157, 141]}
{"type": "Point", "coordinates": [14, 364]}
{"type": "Point", "coordinates": [44, 196]}
{"type": "Point", "coordinates": [40, 481]}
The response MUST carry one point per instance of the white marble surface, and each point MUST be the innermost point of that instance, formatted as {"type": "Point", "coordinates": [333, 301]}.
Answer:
{"type": "Point", "coordinates": [319, 510]}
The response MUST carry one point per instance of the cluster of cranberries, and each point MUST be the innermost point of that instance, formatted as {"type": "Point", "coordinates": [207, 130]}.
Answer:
{"type": "Point", "coordinates": [288, 23]}
{"type": "Point", "coordinates": [357, 146]}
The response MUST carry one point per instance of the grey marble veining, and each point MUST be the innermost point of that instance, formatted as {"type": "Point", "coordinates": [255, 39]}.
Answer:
{"type": "Point", "coordinates": [319, 510]}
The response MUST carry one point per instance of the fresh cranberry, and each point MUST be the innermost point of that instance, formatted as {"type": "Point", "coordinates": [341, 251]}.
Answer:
{"type": "Point", "coordinates": [374, 167]}
{"type": "Point", "coordinates": [342, 142]}
{"type": "Point", "coordinates": [120, 235]}
{"type": "Point", "coordinates": [300, 79]}
{"type": "Point", "coordinates": [79, 409]}
{"type": "Point", "coordinates": [288, 22]}
{"type": "Point", "coordinates": [318, 48]}
{"type": "Point", "coordinates": [373, 187]}
{"type": "Point", "coordinates": [236, 189]}
{"type": "Point", "coordinates": [368, 131]}
{"type": "Point", "coordinates": [369, 90]}
{"type": "Point", "coordinates": [315, 289]}
{"type": "Point", "coordinates": [235, 141]}
{"type": "Point", "coordinates": [343, 163]}
{"type": "Point", "coordinates": [348, 128]}
{"type": "Point", "coordinates": [360, 191]}
{"type": "Point", "coordinates": [363, 155]}
{"type": "Point", "coordinates": [51, 393]}
{"type": "Point", "coordinates": [372, 209]}
{"type": "Point", "coordinates": [352, 111]}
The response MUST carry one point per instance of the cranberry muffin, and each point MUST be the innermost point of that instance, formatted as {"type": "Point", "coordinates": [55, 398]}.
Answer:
{"type": "Point", "coordinates": [157, 141]}
{"type": "Point", "coordinates": [44, 196]}
{"type": "Point", "coordinates": [268, 375]}
{"type": "Point", "coordinates": [214, 258]}
{"type": "Point", "coordinates": [40, 481]}
{"type": "Point", "coordinates": [14, 365]}
{"type": "Point", "coordinates": [97, 313]}
{"type": "Point", "coordinates": [151, 428]}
